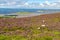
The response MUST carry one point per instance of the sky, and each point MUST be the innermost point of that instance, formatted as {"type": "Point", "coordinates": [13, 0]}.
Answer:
{"type": "Point", "coordinates": [30, 4]}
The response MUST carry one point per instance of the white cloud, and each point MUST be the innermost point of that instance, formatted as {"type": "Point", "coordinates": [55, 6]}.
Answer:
{"type": "Point", "coordinates": [50, 4]}
{"type": "Point", "coordinates": [19, 3]}
{"type": "Point", "coordinates": [42, 5]}
{"type": "Point", "coordinates": [2, 4]}
{"type": "Point", "coordinates": [26, 4]}
{"type": "Point", "coordinates": [11, 3]}
{"type": "Point", "coordinates": [53, 4]}
{"type": "Point", "coordinates": [47, 3]}
{"type": "Point", "coordinates": [8, 4]}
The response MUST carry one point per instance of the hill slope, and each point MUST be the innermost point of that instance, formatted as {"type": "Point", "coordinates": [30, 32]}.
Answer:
{"type": "Point", "coordinates": [34, 27]}
{"type": "Point", "coordinates": [49, 19]}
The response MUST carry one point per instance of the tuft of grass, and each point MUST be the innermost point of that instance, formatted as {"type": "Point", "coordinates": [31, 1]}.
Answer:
{"type": "Point", "coordinates": [16, 37]}
{"type": "Point", "coordinates": [23, 13]}
{"type": "Point", "coordinates": [56, 32]}
{"type": "Point", "coordinates": [56, 19]}
{"type": "Point", "coordinates": [43, 38]}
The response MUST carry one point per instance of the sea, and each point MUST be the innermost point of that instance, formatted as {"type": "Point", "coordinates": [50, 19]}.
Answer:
{"type": "Point", "coordinates": [15, 10]}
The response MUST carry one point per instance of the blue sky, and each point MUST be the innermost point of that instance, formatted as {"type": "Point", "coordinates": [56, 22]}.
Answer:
{"type": "Point", "coordinates": [39, 4]}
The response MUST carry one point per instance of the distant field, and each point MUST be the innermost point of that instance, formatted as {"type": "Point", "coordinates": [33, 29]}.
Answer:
{"type": "Point", "coordinates": [19, 15]}
{"type": "Point", "coordinates": [41, 27]}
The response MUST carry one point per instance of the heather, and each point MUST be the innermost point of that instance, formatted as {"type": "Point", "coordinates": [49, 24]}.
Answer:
{"type": "Point", "coordinates": [43, 27]}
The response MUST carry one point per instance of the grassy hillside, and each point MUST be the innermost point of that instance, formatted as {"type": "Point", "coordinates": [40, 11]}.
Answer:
{"type": "Point", "coordinates": [43, 27]}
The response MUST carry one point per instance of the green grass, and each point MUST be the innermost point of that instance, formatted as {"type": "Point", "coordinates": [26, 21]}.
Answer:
{"type": "Point", "coordinates": [5, 37]}
{"type": "Point", "coordinates": [23, 13]}
{"type": "Point", "coordinates": [30, 36]}
{"type": "Point", "coordinates": [45, 38]}
{"type": "Point", "coordinates": [56, 19]}
{"type": "Point", "coordinates": [56, 32]}
{"type": "Point", "coordinates": [16, 37]}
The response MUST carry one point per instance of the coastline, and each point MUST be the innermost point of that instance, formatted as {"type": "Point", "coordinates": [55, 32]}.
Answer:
{"type": "Point", "coordinates": [23, 15]}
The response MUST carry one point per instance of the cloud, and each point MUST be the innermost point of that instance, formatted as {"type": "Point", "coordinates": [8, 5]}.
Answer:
{"type": "Point", "coordinates": [42, 5]}
{"type": "Point", "coordinates": [7, 3]}
{"type": "Point", "coordinates": [26, 4]}
{"type": "Point", "coordinates": [47, 2]}
{"type": "Point", "coordinates": [2, 4]}
{"type": "Point", "coordinates": [30, 3]}
{"type": "Point", "coordinates": [11, 3]}
{"type": "Point", "coordinates": [53, 4]}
